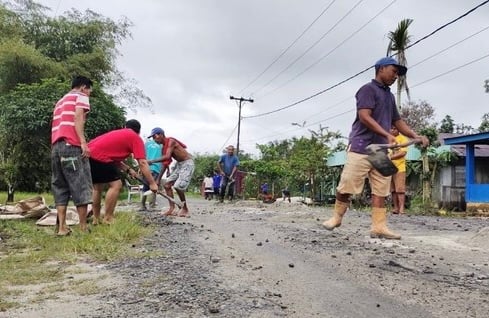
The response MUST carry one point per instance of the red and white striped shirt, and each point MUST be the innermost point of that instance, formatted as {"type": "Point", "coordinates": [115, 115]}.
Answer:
{"type": "Point", "coordinates": [63, 126]}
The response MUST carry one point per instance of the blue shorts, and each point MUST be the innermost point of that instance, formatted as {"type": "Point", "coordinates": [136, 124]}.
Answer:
{"type": "Point", "coordinates": [155, 175]}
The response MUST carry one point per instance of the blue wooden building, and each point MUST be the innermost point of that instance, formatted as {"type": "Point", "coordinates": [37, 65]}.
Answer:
{"type": "Point", "coordinates": [476, 183]}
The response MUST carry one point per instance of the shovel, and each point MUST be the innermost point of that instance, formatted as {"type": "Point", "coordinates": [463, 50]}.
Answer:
{"type": "Point", "coordinates": [377, 156]}
{"type": "Point", "coordinates": [163, 194]}
{"type": "Point", "coordinates": [228, 185]}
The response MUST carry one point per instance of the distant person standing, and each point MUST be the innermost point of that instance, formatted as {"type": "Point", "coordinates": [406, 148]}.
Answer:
{"type": "Point", "coordinates": [286, 194]}
{"type": "Point", "coordinates": [208, 187]}
{"type": "Point", "coordinates": [264, 189]}
{"type": "Point", "coordinates": [69, 154]}
{"type": "Point", "coordinates": [216, 183]}
{"type": "Point", "coordinates": [153, 150]}
{"type": "Point", "coordinates": [227, 166]}
{"type": "Point", "coordinates": [398, 183]}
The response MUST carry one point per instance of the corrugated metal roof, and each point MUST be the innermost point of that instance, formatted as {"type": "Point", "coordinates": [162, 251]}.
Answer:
{"type": "Point", "coordinates": [479, 140]}
{"type": "Point", "coordinates": [476, 139]}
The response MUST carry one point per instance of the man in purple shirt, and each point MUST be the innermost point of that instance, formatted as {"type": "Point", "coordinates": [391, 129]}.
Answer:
{"type": "Point", "coordinates": [376, 113]}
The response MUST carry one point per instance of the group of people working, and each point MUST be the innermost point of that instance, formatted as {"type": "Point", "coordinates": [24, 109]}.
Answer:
{"type": "Point", "coordinates": [81, 169]}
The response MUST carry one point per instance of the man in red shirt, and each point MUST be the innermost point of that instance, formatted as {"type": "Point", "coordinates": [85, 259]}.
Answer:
{"type": "Point", "coordinates": [107, 153]}
{"type": "Point", "coordinates": [69, 154]}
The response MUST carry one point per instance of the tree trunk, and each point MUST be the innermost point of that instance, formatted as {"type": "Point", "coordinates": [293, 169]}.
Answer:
{"type": "Point", "coordinates": [311, 182]}
{"type": "Point", "coordinates": [398, 99]}
{"type": "Point", "coordinates": [426, 180]}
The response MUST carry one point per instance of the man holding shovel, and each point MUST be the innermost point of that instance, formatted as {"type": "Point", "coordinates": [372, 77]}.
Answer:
{"type": "Point", "coordinates": [227, 166]}
{"type": "Point", "coordinates": [108, 151]}
{"type": "Point", "coordinates": [182, 173]}
{"type": "Point", "coordinates": [376, 114]}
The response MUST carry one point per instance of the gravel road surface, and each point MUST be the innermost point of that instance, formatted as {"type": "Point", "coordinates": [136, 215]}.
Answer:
{"type": "Point", "coordinates": [248, 259]}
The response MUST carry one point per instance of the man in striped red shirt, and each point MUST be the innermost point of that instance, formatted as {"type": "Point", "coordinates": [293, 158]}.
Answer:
{"type": "Point", "coordinates": [70, 165]}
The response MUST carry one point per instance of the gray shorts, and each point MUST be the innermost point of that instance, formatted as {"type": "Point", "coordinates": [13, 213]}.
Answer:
{"type": "Point", "coordinates": [71, 177]}
{"type": "Point", "coordinates": [182, 174]}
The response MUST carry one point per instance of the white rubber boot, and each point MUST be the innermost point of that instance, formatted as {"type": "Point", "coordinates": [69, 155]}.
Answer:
{"type": "Point", "coordinates": [335, 221]}
{"type": "Point", "coordinates": [379, 225]}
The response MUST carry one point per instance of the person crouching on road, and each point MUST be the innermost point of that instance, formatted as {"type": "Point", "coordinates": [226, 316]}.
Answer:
{"type": "Point", "coordinates": [106, 160]}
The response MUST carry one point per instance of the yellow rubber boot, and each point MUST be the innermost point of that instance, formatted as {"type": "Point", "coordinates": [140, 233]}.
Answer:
{"type": "Point", "coordinates": [379, 225]}
{"type": "Point", "coordinates": [335, 221]}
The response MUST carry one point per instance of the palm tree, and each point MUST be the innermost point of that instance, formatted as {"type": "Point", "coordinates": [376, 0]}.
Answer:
{"type": "Point", "coordinates": [398, 41]}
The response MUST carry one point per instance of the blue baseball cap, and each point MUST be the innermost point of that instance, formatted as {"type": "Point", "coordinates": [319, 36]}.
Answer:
{"type": "Point", "coordinates": [156, 131]}
{"type": "Point", "coordinates": [401, 69]}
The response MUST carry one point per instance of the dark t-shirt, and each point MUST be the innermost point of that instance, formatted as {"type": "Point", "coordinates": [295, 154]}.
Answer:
{"type": "Point", "coordinates": [380, 100]}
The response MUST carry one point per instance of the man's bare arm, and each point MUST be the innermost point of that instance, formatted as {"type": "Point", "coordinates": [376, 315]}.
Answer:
{"type": "Point", "coordinates": [366, 118]}
{"type": "Point", "coordinates": [80, 130]}
{"type": "Point", "coordinates": [146, 172]}
{"type": "Point", "coordinates": [167, 155]}
{"type": "Point", "coordinates": [404, 129]}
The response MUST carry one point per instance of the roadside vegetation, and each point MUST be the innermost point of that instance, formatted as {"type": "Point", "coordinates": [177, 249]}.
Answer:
{"type": "Point", "coordinates": [33, 255]}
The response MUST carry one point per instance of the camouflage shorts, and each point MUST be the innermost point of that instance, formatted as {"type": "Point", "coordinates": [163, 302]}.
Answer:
{"type": "Point", "coordinates": [71, 176]}
{"type": "Point", "coordinates": [182, 174]}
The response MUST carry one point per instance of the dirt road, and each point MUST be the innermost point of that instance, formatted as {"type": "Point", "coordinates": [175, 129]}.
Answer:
{"type": "Point", "coordinates": [248, 259]}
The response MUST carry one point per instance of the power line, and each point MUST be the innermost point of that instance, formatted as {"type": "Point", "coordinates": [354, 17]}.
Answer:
{"type": "Point", "coordinates": [365, 70]}
{"type": "Point", "coordinates": [287, 49]}
{"type": "Point", "coordinates": [449, 47]}
{"type": "Point", "coordinates": [352, 110]}
{"type": "Point", "coordinates": [447, 24]}
{"type": "Point", "coordinates": [310, 47]}
{"type": "Point", "coordinates": [229, 137]}
{"type": "Point", "coordinates": [310, 97]}
{"type": "Point", "coordinates": [331, 107]}
{"type": "Point", "coordinates": [331, 51]}
{"type": "Point", "coordinates": [301, 127]}
{"type": "Point", "coordinates": [411, 67]}
{"type": "Point", "coordinates": [452, 70]}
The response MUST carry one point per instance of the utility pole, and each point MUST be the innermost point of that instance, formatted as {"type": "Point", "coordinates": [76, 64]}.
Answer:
{"type": "Point", "coordinates": [240, 100]}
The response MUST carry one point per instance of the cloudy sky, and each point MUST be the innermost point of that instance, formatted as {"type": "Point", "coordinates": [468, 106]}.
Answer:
{"type": "Point", "coordinates": [189, 56]}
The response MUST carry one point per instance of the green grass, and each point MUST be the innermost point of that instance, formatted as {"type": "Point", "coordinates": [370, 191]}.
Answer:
{"type": "Point", "coordinates": [30, 254]}
{"type": "Point", "coordinates": [48, 197]}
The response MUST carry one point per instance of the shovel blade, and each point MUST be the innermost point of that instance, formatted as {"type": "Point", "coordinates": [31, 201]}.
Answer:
{"type": "Point", "coordinates": [382, 163]}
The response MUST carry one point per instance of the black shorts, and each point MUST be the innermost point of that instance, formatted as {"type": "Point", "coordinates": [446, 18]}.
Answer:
{"type": "Point", "coordinates": [103, 172]}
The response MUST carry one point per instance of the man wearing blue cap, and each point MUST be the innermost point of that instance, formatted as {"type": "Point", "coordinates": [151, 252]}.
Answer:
{"type": "Point", "coordinates": [181, 175]}
{"type": "Point", "coordinates": [376, 114]}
